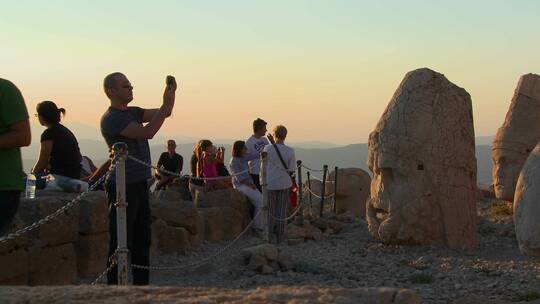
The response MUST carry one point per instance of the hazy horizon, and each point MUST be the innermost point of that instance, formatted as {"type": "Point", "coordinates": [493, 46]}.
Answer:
{"type": "Point", "coordinates": [326, 70]}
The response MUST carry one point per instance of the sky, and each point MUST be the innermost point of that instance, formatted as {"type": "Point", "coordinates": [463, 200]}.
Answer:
{"type": "Point", "coordinates": [324, 69]}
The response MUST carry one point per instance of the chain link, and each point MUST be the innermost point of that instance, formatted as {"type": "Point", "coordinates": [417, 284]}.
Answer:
{"type": "Point", "coordinates": [318, 196]}
{"type": "Point", "coordinates": [320, 179]}
{"type": "Point", "coordinates": [298, 208]}
{"type": "Point", "coordinates": [213, 257]}
{"type": "Point", "coordinates": [312, 170]}
{"type": "Point", "coordinates": [112, 262]}
{"type": "Point", "coordinates": [55, 214]}
{"type": "Point", "coordinates": [185, 176]}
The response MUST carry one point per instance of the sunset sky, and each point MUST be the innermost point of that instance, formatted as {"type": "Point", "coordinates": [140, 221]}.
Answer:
{"type": "Point", "coordinates": [325, 69]}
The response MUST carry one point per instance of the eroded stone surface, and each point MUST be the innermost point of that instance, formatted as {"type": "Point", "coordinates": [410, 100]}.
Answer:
{"type": "Point", "coordinates": [518, 135]}
{"type": "Point", "coordinates": [527, 205]}
{"type": "Point", "coordinates": [281, 294]}
{"type": "Point", "coordinates": [422, 156]}
{"type": "Point", "coordinates": [352, 190]}
{"type": "Point", "coordinates": [168, 239]}
{"type": "Point", "coordinates": [170, 208]}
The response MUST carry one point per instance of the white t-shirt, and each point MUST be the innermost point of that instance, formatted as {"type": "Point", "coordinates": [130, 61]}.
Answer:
{"type": "Point", "coordinates": [276, 176]}
{"type": "Point", "coordinates": [256, 145]}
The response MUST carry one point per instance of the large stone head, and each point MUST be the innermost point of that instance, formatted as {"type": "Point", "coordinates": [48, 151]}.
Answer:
{"type": "Point", "coordinates": [422, 157]}
{"type": "Point", "coordinates": [517, 137]}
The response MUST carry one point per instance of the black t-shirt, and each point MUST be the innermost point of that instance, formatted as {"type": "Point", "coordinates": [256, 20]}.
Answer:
{"type": "Point", "coordinates": [65, 156]}
{"type": "Point", "coordinates": [113, 122]}
{"type": "Point", "coordinates": [174, 163]}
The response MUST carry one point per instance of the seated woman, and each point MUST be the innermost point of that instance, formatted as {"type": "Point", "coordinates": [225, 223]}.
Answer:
{"type": "Point", "coordinates": [87, 168]}
{"type": "Point", "coordinates": [242, 179]}
{"type": "Point", "coordinates": [59, 154]}
{"type": "Point", "coordinates": [195, 181]}
{"type": "Point", "coordinates": [211, 160]}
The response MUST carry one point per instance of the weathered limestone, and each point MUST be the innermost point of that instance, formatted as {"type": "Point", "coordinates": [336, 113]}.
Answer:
{"type": "Point", "coordinates": [174, 211]}
{"type": "Point", "coordinates": [131, 294]}
{"type": "Point", "coordinates": [53, 265]}
{"type": "Point", "coordinates": [92, 253]}
{"type": "Point", "coordinates": [527, 205]}
{"type": "Point", "coordinates": [266, 259]}
{"type": "Point", "coordinates": [93, 213]}
{"type": "Point", "coordinates": [518, 135]}
{"type": "Point", "coordinates": [167, 239]}
{"type": "Point", "coordinates": [222, 223]}
{"type": "Point", "coordinates": [422, 156]}
{"type": "Point", "coordinates": [64, 229]}
{"type": "Point", "coordinates": [225, 212]}
{"type": "Point", "coordinates": [73, 244]}
{"type": "Point", "coordinates": [352, 192]}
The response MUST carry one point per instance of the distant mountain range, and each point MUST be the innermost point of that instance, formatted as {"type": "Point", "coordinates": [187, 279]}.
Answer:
{"type": "Point", "coordinates": [313, 154]}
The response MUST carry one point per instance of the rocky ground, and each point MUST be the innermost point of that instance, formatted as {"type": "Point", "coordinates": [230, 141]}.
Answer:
{"type": "Point", "coordinates": [497, 272]}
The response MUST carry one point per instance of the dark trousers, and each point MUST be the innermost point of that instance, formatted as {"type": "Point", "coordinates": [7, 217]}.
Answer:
{"type": "Point", "coordinates": [9, 203]}
{"type": "Point", "coordinates": [138, 230]}
{"type": "Point", "coordinates": [256, 181]}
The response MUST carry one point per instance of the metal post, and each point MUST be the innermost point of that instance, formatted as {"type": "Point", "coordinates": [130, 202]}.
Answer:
{"type": "Point", "coordinates": [264, 187]}
{"type": "Point", "coordinates": [335, 188]}
{"type": "Point", "coordinates": [323, 190]}
{"type": "Point", "coordinates": [309, 191]}
{"type": "Point", "coordinates": [120, 155]}
{"type": "Point", "coordinates": [300, 194]}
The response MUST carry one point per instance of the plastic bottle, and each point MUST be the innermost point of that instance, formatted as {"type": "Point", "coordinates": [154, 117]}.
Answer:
{"type": "Point", "coordinates": [30, 186]}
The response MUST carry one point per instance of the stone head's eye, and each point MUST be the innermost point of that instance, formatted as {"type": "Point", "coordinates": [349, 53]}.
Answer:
{"type": "Point", "coordinates": [420, 167]}
{"type": "Point", "coordinates": [528, 150]}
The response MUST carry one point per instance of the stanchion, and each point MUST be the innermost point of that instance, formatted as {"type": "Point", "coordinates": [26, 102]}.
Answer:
{"type": "Point", "coordinates": [264, 188]}
{"type": "Point", "coordinates": [323, 191]}
{"type": "Point", "coordinates": [300, 194]}
{"type": "Point", "coordinates": [120, 155]}
{"type": "Point", "coordinates": [309, 191]}
{"type": "Point", "coordinates": [335, 188]}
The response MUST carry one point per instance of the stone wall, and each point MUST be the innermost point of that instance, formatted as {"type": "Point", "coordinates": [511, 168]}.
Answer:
{"type": "Point", "coordinates": [75, 245]}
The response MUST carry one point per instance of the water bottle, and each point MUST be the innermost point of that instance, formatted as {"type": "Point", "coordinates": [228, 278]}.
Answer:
{"type": "Point", "coordinates": [31, 186]}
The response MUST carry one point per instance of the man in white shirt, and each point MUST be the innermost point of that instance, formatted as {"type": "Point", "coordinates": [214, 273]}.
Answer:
{"type": "Point", "coordinates": [279, 182]}
{"type": "Point", "coordinates": [256, 144]}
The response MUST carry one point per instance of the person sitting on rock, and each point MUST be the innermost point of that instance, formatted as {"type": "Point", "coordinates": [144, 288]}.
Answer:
{"type": "Point", "coordinates": [59, 154]}
{"type": "Point", "coordinates": [196, 183]}
{"type": "Point", "coordinates": [170, 161]}
{"type": "Point", "coordinates": [212, 166]}
{"type": "Point", "coordinates": [87, 168]}
{"type": "Point", "coordinates": [243, 182]}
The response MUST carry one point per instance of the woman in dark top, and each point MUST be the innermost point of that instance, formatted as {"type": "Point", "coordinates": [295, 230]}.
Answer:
{"type": "Point", "coordinates": [59, 154]}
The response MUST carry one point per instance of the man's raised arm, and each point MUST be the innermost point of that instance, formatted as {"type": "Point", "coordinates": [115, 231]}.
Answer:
{"type": "Point", "coordinates": [134, 130]}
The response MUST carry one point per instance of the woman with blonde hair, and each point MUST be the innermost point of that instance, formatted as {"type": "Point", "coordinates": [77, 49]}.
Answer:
{"type": "Point", "coordinates": [280, 173]}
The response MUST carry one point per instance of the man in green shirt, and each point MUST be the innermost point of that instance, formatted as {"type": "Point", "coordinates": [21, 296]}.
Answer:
{"type": "Point", "coordinates": [14, 133]}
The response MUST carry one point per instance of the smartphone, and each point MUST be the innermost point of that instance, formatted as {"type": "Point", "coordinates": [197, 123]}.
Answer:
{"type": "Point", "coordinates": [170, 80]}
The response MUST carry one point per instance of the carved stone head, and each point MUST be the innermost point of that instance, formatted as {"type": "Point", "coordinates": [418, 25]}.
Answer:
{"type": "Point", "coordinates": [422, 157]}
{"type": "Point", "coordinates": [517, 137]}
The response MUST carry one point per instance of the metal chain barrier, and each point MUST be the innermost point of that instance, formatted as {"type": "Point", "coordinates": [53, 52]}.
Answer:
{"type": "Point", "coordinates": [310, 169]}
{"type": "Point", "coordinates": [113, 261]}
{"type": "Point", "coordinates": [205, 261]}
{"type": "Point", "coordinates": [185, 176]}
{"type": "Point", "coordinates": [318, 196]}
{"type": "Point", "coordinates": [297, 209]}
{"type": "Point", "coordinates": [320, 179]}
{"type": "Point", "coordinates": [57, 213]}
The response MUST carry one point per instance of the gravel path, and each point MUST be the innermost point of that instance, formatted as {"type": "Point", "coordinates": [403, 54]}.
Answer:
{"type": "Point", "coordinates": [353, 259]}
